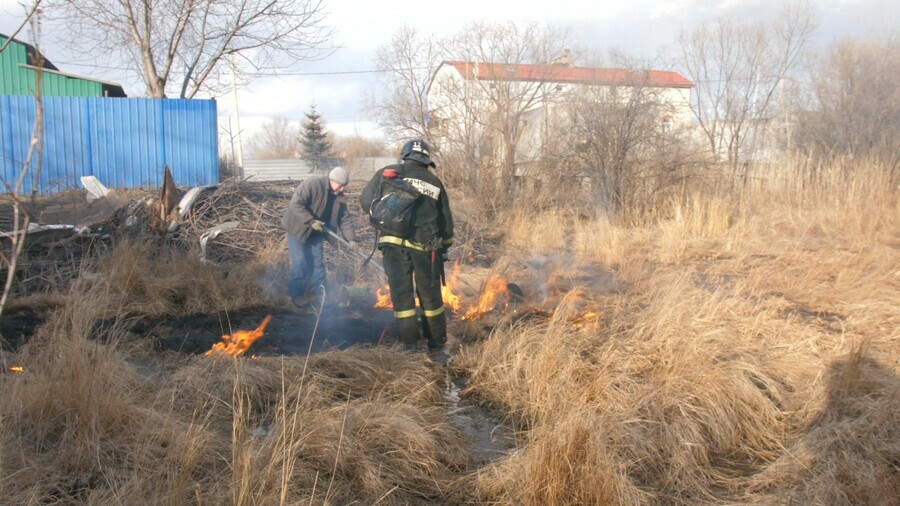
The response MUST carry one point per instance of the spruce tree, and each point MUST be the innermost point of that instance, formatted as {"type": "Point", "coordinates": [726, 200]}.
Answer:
{"type": "Point", "coordinates": [314, 139]}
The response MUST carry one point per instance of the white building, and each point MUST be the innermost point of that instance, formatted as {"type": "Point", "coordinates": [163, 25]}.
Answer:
{"type": "Point", "coordinates": [462, 94]}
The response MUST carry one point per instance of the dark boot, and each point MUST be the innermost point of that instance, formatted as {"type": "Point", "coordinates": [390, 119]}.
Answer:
{"type": "Point", "coordinates": [408, 328]}
{"type": "Point", "coordinates": [435, 330]}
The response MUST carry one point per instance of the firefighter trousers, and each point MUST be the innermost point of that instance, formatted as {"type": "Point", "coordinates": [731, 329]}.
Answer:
{"type": "Point", "coordinates": [410, 273]}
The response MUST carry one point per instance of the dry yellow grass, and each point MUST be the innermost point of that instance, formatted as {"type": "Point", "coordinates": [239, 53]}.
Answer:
{"type": "Point", "coordinates": [93, 422]}
{"type": "Point", "coordinates": [143, 279]}
{"type": "Point", "coordinates": [746, 352]}
{"type": "Point", "coordinates": [753, 357]}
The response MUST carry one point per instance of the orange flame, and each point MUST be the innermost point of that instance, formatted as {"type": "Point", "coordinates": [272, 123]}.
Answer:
{"type": "Point", "coordinates": [17, 369]}
{"type": "Point", "coordinates": [490, 299]}
{"type": "Point", "coordinates": [384, 298]}
{"type": "Point", "coordinates": [589, 319]}
{"type": "Point", "coordinates": [236, 344]}
{"type": "Point", "coordinates": [451, 300]}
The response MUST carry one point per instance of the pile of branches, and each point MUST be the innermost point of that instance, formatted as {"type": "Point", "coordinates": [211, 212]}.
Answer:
{"type": "Point", "coordinates": [254, 210]}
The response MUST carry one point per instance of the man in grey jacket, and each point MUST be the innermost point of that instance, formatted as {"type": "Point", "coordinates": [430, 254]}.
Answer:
{"type": "Point", "coordinates": [317, 203]}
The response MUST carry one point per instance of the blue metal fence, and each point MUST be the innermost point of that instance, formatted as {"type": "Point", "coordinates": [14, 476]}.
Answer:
{"type": "Point", "coordinates": [124, 142]}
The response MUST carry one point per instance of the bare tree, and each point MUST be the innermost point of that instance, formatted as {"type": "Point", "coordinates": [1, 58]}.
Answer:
{"type": "Point", "coordinates": [491, 106]}
{"type": "Point", "coordinates": [478, 126]}
{"type": "Point", "coordinates": [621, 142]}
{"type": "Point", "coordinates": [31, 11]}
{"type": "Point", "coordinates": [181, 46]}
{"type": "Point", "coordinates": [21, 218]}
{"type": "Point", "coordinates": [738, 69]}
{"type": "Point", "coordinates": [407, 63]}
{"type": "Point", "coordinates": [276, 139]}
{"type": "Point", "coordinates": [855, 106]}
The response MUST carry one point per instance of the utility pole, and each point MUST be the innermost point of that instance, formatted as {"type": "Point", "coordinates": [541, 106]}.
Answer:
{"type": "Point", "coordinates": [231, 135]}
{"type": "Point", "coordinates": [237, 115]}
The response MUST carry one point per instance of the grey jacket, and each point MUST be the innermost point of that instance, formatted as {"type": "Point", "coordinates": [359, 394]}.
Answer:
{"type": "Point", "coordinates": [309, 202]}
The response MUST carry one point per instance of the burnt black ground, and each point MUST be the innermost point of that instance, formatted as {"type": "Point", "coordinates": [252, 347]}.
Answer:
{"type": "Point", "coordinates": [288, 333]}
{"type": "Point", "coordinates": [18, 324]}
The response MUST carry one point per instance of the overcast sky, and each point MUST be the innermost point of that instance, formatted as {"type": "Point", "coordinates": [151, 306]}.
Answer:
{"type": "Point", "coordinates": [645, 29]}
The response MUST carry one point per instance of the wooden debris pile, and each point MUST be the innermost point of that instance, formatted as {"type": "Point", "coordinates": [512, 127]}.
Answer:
{"type": "Point", "coordinates": [227, 223]}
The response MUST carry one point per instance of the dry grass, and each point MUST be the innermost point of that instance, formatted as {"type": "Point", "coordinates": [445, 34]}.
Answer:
{"type": "Point", "coordinates": [746, 352]}
{"type": "Point", "coordinates": [138, 279]}
{"type": "Point", "coordinates": [752, 357]}
{"type": "Point", "coordinates": [92, 422]}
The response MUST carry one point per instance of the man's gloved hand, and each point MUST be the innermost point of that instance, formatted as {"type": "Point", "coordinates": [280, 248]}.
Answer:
{"type": "Point", "coordinates": [353, 246]}
{"type": "Point", "coordinates": [317, 225]}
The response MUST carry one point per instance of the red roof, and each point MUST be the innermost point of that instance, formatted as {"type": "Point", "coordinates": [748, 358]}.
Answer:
{"type": "Point", "coordinates": [565, 74]}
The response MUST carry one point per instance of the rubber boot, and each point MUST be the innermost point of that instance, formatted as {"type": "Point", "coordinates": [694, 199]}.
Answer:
{"type": "Point", "coordinates": [408, 329]}
{"type": "Point", "coordinates": [435, 330]}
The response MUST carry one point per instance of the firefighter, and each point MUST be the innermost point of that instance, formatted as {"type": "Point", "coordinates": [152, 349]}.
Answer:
{"type": "Point", "coordinates": [414, 263]}
{"type": "Point", "coordinates": [317, 203]}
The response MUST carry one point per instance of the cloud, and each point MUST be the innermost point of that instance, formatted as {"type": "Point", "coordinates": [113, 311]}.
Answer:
{"type": "Point", "coordinates": [643, 28]}
{"type": "Point", "coordinates": [671, 8]}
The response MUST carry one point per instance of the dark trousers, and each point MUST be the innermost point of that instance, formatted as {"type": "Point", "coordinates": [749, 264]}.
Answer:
{"type": "Point", "coordinates": [307, 264]}
{"type": "Point", "coordinates": [410, 273]}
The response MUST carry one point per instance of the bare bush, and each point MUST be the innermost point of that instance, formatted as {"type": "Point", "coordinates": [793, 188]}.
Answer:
{"type": "Point", "coordinates": [357, 146]}
{"type": "Point", "coordinates": [625, 145]}
{"type": "Point", "coordinates": [10, 257]}
{"type": "Point", "coordinates": [855, 103]}
{"type": "Point", "coordinates": [276, 139]}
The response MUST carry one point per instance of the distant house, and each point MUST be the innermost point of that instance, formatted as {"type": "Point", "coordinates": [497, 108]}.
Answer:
{"type": "Point", "coordinates": [17, 75]}
{"type": "Point", "coordinates": [461, 92]}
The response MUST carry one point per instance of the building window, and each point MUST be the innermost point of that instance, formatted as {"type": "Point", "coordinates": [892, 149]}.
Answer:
{"type": "Point", "coordinates": [666, 125]}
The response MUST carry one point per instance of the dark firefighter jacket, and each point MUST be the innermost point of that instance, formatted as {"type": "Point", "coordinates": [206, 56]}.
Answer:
{"type": "Point", "coordinates": [432, 222]}
{"type": "Point", "coordinates": [310, 202]}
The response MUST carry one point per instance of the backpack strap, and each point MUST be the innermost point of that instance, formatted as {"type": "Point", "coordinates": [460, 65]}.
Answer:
{"type": "Point", "coordinates": [378, 232]}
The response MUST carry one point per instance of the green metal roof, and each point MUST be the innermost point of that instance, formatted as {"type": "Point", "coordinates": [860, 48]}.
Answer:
{"type": "Point", "coordinates": [17, 76]}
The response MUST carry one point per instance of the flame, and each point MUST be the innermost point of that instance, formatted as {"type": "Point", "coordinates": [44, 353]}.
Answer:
{"type": "Point", "coordinates": [384, 298]}
{"type": "Point", "coordinates": [236, 344]}
{"type": "Point", "coordinates": [589, 319]}
{"type": "Point", "coordinates": [17, 369]}
{"type": "Point", "coordinates": [490, 299]}
{"type": "Point", "coordinates": [451, 300]}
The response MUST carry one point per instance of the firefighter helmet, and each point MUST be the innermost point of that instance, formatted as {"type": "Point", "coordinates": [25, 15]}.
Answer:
{"type": "Point", "coordinates": [417, 150]}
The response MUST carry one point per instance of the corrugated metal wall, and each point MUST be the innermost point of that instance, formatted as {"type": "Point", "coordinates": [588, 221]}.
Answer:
{"type": "Point", "coordinates": [56, 85]}
{"type": "Point", "coordinates": [276, 170]}
{"type": "Point", "coordinates": [124, 142]}
{"type": "Point", "coordinates": [11, 76]}
{"type": "Point", "coordinates": [361, 169]}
